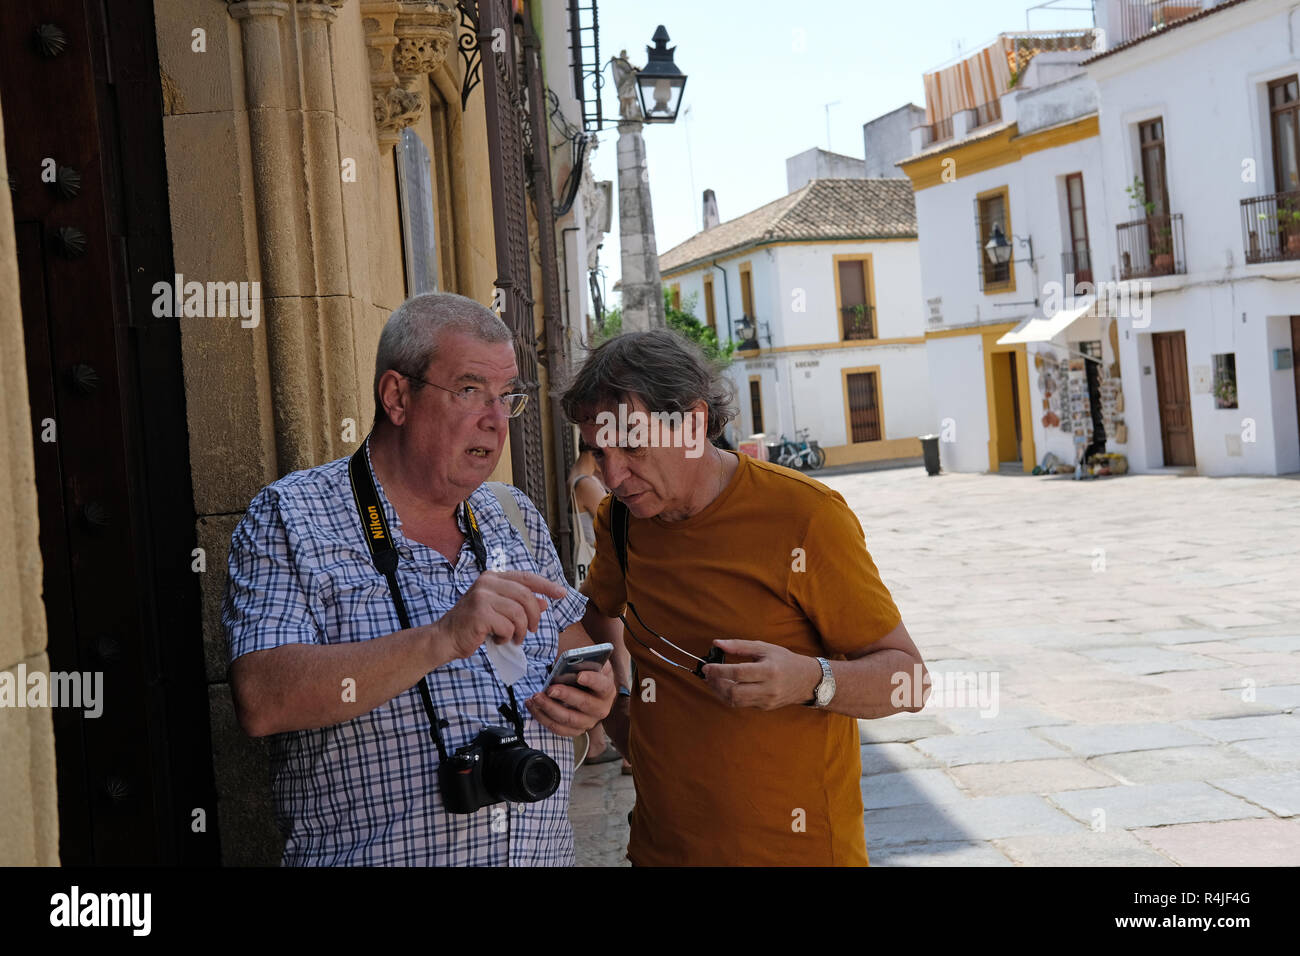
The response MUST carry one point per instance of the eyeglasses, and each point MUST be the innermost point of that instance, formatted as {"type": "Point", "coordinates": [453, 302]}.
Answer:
{"type": "Point", "coordinates": [715, 654]}
{"type": "Point", "coordinates": [513, 403]}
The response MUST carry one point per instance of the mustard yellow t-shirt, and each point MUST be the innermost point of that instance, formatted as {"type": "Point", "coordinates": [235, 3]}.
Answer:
{"type": "Point", "coordinates": [776, 557]}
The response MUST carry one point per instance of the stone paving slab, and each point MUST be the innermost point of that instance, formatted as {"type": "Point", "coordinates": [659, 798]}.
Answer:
{"type": "Point", "coordinates": [1156, 804]}
{"type": "Point", "coordinates": [1277, 793]}
{"type": "Point", "coordinates": [1137, 659]}
{"type": "Point", "coordinates": [1114, 738]}
{"type": "Point", "coordinates": [996, 746]}
{"type": "Point", "coordinates": [972, 721]}
{"type": "Point", "coordinates": [912, 823]}
{"type": "Point", "coordinates": [1170, 764]}
{"type": "Point", "coordinates": [900, 728]}
{"type": "Point", "coordinates": [1279, 697]}
{"type": "Point", "coordinates": [1277, 752]}
{"type": "Point", "coordinates": [889, 757]}
{"type": "Point", "coordinates": [1246, 728]}
{"type": "Point", "coordinates": [1268, 842]}
{"type": "Point", "coordinates": [929, 785]}
{"type": "Point", "coordinates": [1111, 848]}
{"type": "Point", "coordinates": [1028, 776]}
{"type": "Point", "coordinates": [939, 854]}
{"type": "Point", "coordinates": [991, 818]}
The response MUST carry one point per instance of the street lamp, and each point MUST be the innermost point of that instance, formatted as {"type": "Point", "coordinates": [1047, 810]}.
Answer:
{"type": "Point", "coordinates": [660, 83]}
{"type": "Point", "coordinates": [999, 248]}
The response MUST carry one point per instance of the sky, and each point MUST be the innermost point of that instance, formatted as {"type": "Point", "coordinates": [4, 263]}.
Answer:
{"type": "Point", "coordinates": [759, 76]}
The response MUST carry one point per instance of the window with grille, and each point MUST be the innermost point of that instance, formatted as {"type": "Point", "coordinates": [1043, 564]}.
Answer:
{"type": "Point", "coordinates": [1284, 105]}
{"type": "Point", "coordinates": [756, 405]}
{"type": "Point", "coordinates": [864, 407]}
{"type": "Point", "coordinates": [991, 212]}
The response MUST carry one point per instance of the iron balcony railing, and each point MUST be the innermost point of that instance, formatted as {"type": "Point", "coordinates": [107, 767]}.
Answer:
{"type": "Point", "coordinates": [1076, 267]}
{"type": "Point", "coordinates": [858, 322]}
{"type": "Point", "coordinates": [987, 113]}
{"type": "Point", "coordinates": [1270, 227]}
{"type": "Point", "coordinates": [1139, 18]}
{"type": "Point", "coordinates": [1151, 247]}
{"type": "Point", "coordinates": [940, 131]}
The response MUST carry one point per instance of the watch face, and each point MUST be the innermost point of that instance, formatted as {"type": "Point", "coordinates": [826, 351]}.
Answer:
{"type": "Point", "coordinates": [826, 689]}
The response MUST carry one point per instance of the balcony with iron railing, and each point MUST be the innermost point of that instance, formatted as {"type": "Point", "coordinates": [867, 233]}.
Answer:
{"type": "Point", "coordinates": [1270, 227]}
{"type": "Point", "coordinates": [986, 114]}
{"type": "Point", "coordinates": [858, 322]}
{"type": "Point", "coordinates": [1076, 267]}
{"type": "Point", "coordinates": [1151, 247]}
{"type": "Point", "coordinates": [1141, 18]}
{"type": "Point", "coordinates": [938, 132]}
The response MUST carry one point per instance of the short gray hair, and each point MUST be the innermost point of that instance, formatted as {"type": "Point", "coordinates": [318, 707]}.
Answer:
{"type": "Point", "coordinates": [409, 341]}
{"type": "Point", "coordinates": [665, 370]}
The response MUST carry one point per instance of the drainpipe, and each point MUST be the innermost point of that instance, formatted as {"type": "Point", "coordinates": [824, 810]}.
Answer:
{"type": "Point", "coordinates": [726, 295]}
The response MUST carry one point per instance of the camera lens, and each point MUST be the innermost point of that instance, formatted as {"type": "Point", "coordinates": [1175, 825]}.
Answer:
{"type": "Point", "coordinates": [521, 774]}
{"type": "Point", "coordinates": [539, 776]}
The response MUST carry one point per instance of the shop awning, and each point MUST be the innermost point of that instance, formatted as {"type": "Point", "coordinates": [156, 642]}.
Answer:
{"type": "Point", "coordinates": [1039, 329]}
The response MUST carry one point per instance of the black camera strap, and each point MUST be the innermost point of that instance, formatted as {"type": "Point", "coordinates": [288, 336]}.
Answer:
{"type": "Point", "coordinates": [383, 552]}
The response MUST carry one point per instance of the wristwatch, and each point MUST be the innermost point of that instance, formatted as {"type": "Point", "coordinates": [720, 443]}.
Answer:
{"type": "Point", "coordinates": [825, 690]}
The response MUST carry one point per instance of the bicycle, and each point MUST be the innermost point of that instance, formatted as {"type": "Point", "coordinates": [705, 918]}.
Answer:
{"type": "Point", "coordinates": [804, 454]}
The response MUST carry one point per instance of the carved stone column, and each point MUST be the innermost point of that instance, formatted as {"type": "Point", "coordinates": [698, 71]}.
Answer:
{"type": "Point", "coordinates": [404, 39]}
{"type": "Point", "coordinates": [330, 295]}
{"type": "Point", "coordinates": [277, 230]}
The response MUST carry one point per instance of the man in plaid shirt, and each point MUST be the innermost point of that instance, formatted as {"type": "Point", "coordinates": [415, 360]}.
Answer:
{"type": "Point", "coordinates": [319, 662]}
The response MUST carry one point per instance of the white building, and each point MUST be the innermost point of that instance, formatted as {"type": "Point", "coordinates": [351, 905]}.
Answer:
{"type": "Point", "coordinates": [830, 275]}
{"type": "Point", "coordinates": [1010, 163]}
{"type": "Point", "coordinates": [1201, 103]}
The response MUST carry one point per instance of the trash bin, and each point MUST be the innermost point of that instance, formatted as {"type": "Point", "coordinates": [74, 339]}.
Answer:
{"type": "Point", "coordinates": [930, 447]}
{"type": "Point", "coordinates": [773, 451]}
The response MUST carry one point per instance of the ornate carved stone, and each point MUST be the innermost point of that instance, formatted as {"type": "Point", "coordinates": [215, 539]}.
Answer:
{"type": "Point", "coordinates": [404, 39]}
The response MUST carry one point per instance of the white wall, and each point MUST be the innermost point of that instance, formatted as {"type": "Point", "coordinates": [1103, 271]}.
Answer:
{"type": "Point", "coordinates": [960, 403]}
{"type": "Point", "coordinates": [1208, 82]}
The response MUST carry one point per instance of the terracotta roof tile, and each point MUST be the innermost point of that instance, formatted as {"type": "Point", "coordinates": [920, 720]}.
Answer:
{"type": "Point", "coordinates": [822, 209]}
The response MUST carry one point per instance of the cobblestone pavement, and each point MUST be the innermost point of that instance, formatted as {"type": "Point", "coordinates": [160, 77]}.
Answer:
{"type": "Point", "coordinates": [1144, 635]}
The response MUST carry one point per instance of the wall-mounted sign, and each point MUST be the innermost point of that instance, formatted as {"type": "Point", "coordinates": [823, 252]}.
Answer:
{"type": "Point", "coordinates": [1282, 359]}
{"type": "Point", "coordinates": [936, 310]}
{"type": "Point", "coordinates": [810, 363]}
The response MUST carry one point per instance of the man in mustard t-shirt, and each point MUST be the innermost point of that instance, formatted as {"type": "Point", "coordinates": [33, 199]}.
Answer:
{"type": "Point", "coordinates": [752, 758]}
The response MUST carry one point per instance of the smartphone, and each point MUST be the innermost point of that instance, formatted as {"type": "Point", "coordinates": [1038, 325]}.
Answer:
{"type": "Point", "coordinates": [570, 664]}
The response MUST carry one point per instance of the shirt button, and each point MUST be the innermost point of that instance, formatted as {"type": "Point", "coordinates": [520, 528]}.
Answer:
{"type": "Point", "coordinates": [522, 806]}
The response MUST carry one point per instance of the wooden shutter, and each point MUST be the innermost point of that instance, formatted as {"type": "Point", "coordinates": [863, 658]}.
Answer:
{"type": "Point", "coordinates": [864, 410]}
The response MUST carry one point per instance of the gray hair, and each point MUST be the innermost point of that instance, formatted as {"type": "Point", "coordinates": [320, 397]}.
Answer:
{"type": "Point", "coordinates": [409, 341]}
{"type": "Point", "coordinates": [665, 370]}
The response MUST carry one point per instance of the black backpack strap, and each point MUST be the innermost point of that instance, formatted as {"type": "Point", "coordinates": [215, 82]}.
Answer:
{"type": "Point", "coordinates": [618, 519]}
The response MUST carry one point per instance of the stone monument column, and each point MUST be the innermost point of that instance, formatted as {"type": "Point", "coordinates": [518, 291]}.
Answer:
{"type": "Point", "coordinates": [643, 302]}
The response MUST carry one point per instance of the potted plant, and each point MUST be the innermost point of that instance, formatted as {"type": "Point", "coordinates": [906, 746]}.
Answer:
{"type": "Point", "coordinates": [1288, 225]}
{"type": "Point", "coordinates": [1137, 194]}
{"type": "Point", "coordinates": [860, 329]}
{"type": "Point", "coordinates": [1162, 249]}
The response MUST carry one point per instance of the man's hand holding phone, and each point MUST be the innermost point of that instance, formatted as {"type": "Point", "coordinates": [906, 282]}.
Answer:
{"type": "Point", "coordinates": [576, 698]}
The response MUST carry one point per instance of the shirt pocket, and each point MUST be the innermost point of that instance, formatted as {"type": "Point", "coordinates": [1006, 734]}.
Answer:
{"type": "Point", "coordinates": [355, 608]}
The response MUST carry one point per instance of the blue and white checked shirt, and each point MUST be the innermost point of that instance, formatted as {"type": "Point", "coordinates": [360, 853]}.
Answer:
{"type": "Point", "coordinates": [365, 792]}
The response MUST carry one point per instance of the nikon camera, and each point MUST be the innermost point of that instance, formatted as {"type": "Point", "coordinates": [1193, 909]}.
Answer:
{"type": "Point", "coordinates": [496, 766]}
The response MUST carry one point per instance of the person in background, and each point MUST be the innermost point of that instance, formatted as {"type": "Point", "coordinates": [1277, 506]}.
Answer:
{"type": "Point", "coordinates": [586, 491]}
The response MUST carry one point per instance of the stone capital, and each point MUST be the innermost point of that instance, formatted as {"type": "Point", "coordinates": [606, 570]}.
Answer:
{"type": "Point", "coordinates": [404, 39]}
